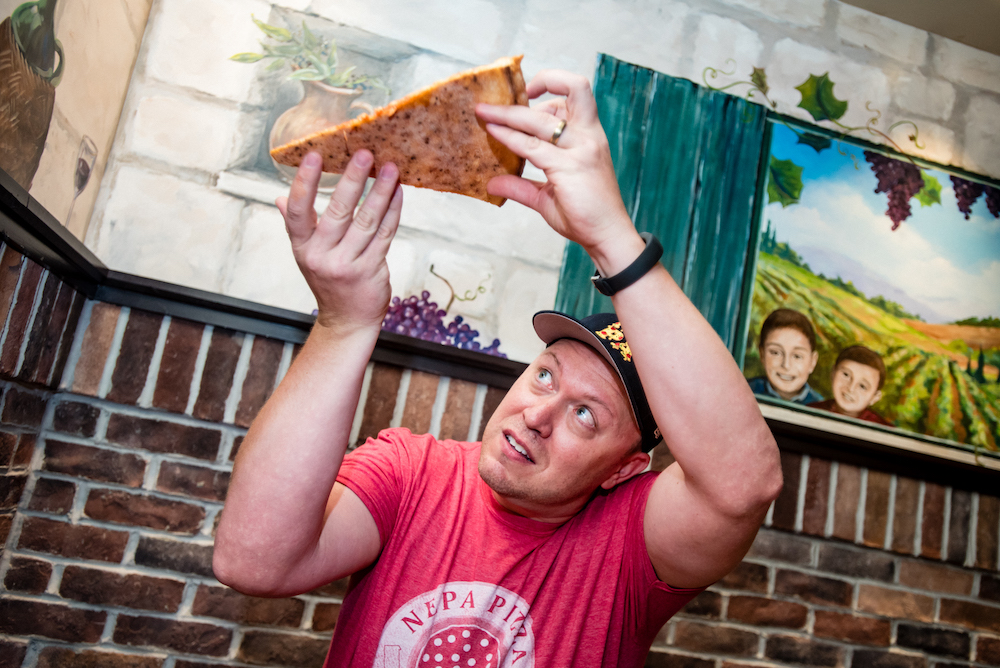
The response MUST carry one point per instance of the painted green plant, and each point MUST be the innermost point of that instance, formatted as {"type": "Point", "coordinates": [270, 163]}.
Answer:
{"type": "Point", "coordinates": [311, 58]}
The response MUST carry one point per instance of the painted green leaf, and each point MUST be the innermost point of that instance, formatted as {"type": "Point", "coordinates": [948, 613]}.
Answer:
{"type": "Point", "coordinates": [274, 32]}
{"type": "Point", "coordinates": [784, 183]}
{"type": "Point", "coordinates": [285, 51]}
{"type": "Point", "coordinates": [275, 65]}
{"type": "Point", "coordinates": [308, 38]}
{"type": "Point", "coordinates": [818, 98]}
{"type": "Point", "coordinates": [247, 57]}
{"type": "Point", "coordinates": [931, 192]}
{"type": "Point", "coordinates": [817, 142]}
{"type": "Point", "coordinates": [759, 79]}
{"type": "Point", "coordinates": [306, 74]}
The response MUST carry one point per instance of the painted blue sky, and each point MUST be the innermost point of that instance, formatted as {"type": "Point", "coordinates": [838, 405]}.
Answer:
{"type": "Point", "coordinates": [936, 263]}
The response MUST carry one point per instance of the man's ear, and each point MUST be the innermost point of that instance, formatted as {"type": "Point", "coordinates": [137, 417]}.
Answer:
{"type": "Point", "coordinates": [814, 359]}
{"type": "Point", "coordinates": [875, 398]}
{"type": "Point", "coordinates": [629, 467]}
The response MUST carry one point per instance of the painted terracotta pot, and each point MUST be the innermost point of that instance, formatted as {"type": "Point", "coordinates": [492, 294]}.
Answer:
{"type": "Point", "coordinates": [322, 106]}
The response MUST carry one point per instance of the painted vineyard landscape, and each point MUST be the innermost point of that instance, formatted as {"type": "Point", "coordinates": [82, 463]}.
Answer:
{"type": "Point", "coordinates": [901, 259]}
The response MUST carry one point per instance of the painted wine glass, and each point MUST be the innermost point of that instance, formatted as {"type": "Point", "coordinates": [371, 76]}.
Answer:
{"type": "Point", "coordinates": [85, 159]}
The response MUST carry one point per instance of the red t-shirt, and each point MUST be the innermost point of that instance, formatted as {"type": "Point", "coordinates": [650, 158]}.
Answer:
{"type": "Point", "coordinates": [463, 582]}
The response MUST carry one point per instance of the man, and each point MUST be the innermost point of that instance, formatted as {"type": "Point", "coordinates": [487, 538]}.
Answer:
{"type": "Point", "coordinates": [543, 546]}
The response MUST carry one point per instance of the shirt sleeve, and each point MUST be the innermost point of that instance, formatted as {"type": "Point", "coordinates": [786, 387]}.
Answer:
{"type": "Point", "coordinates": [656, 601]}
{"type": "Point", "coordinates": [378, 472]}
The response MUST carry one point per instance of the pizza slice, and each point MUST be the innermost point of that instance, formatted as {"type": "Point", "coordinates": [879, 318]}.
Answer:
{"type": "Point", "coordinates": [433, 135]}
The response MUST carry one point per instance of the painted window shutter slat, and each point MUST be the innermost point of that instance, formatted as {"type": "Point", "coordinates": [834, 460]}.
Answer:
{"type": "Point", "coordinates": [686, 159]}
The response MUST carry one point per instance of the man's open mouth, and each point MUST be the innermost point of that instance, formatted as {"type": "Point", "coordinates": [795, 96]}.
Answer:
{"type": "Point", "coordinates": [521, 451]}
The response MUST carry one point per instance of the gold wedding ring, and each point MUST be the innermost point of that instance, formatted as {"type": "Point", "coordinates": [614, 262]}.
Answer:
{"type": "Point", "coordinates": [558, 133]}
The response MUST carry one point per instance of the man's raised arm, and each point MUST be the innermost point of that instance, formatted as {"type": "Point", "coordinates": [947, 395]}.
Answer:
{"type": "Point", "coordinates": [286, 527]}
{"type": "Point", "coordinates": [704, 511]}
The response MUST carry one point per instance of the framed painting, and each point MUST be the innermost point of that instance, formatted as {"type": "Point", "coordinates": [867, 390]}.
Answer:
{"type": "Point", "coordinates": [875, 299]}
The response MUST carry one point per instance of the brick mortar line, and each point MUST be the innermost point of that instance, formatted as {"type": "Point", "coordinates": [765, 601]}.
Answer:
{"type": "Point", "coordinates": [125, 568]}
{"type": "Point", "coordinates": [831, 500]}
{"type": "Point", "coordinates": [970, 544]}
{"type": "Point", "coordinates": [151, 474]}
{"type": "Point", "coordinates": [890, 515]}
{"type": "Point", "coordinates": [50, 380]}
{"type": "Point", "coordinates": [111, 361]}
{"type": "Point", "coordinates": [225, 458]}
{"type": "Point", "coordinates": [36, 301]}
{"type": "Point", "coordinates": [38, 644]}
{"type": "Point", "coordinates": [359, 412]}
{"type": "Point", "coordinates": [152, 414]}
{"type": "Point", "coordinates": [91, 484]}
{"type": "Point", "coordinates": [860, 511]}
{"type": "Point", "coordinates": [76, 347]}
{"type": "Point", "coordinates": [100, 524]}
{"type": "Point", "coordinates": [118, 610]}
{"type": "Point", "coordinates": [284, 363]}
{"type": "Point", "coordinates": [400, 406]}
{"type": "Point", "coordinates": [861, 546]}
{"type": "Point", "coordinates": [199, 368]}
{"type": "Point", "coordinates": [855, 580]}
{"type": "Point", "coordinates": [476, 420]}
{"type": "Point", "coordinates": [769, 632]}
{"type": "Point", "coordinates": [145, 399]}
{"type": "Point", "coordinates": [918, 533]}
{"type": "Point", "coordinates": [235, 395]}
{"type": "Point", "coordinates": [440, 402]}
{"type": "Point", "coordinates": [13, 301]}
{"type": "Point", "coordinates": [946, 524]}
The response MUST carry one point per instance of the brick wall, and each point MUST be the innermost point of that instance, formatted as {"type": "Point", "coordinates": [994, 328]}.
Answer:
{"type": "Point", "coordinates": [118, 432]}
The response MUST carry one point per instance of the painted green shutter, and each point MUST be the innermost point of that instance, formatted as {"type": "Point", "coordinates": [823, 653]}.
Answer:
{"type": "Point", "coordinates": [687, 161]}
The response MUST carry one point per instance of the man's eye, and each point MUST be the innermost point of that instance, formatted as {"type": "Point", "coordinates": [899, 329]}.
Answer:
{"type": "Point", "coordinates": [544, 375]}
{"type": "Point", "coordinates": [583, 413]}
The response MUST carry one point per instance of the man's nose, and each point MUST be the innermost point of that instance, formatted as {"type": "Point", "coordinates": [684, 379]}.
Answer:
{"type": "Point", "coordinates": [539, 415]}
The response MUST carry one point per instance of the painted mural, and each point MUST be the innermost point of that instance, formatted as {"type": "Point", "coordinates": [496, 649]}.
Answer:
{"type": "Point", "coordinates": [877, 292]}
{"type": "Point", "coordinates": [64, 71]}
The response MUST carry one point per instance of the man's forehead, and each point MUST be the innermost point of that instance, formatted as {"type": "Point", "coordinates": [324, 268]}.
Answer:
{"type": "Point", "coordinates": [573, 353]}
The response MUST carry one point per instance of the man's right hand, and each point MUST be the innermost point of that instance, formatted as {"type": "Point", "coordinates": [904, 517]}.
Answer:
{"type": "Point", "coordinates": [287, 527]}
{"type": "Point", "coordinates": [342, 253]}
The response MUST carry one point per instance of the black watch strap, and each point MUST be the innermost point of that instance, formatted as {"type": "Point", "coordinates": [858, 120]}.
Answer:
{"type": "Point", "coordinates": [632, 273]}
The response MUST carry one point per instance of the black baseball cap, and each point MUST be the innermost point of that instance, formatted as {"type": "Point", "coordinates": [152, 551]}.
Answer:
{"type": "Point", "coordinates": [603, 332]}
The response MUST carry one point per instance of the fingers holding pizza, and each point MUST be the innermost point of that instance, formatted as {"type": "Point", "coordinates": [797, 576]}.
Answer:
{"type": "Point", "coordinates": [341, 253]}
{"type": "Point", "coordinates": [580, 198]}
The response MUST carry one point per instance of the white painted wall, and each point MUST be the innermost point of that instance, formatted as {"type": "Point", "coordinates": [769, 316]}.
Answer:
{"type": "Point", "coordinates": [184, 199]}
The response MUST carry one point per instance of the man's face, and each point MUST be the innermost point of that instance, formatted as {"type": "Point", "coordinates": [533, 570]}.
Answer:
{"type": "Point", "coordinates": [788, 360]}
{"type": "Point", "coordinates": [563, 430]}
{"type": "Point", "coordinates": [855, 387]}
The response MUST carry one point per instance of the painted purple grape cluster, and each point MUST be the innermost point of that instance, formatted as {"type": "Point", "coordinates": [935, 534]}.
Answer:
{"type": "Point", "coordinates": [967, 192]}
{"type": "Point", "coordinates": [900, 179]}
{"type": "Point", "coordinates": [993, 200]}
{"type": "Point", "coordinates": [421, 318]}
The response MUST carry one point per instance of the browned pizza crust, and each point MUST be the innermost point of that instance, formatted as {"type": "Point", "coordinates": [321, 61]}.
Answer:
{"type": "Point", "coordinates": [432, 135]}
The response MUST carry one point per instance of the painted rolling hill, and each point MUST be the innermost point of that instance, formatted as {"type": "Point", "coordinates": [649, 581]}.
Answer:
{"type": "Point", "coordinates": [930, 387]}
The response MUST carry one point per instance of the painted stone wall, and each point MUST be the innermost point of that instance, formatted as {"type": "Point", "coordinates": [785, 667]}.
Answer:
{"type": "Point", "coordinates": [117, 432]}
{"type": "Point", "coordinates": [189, 195]}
